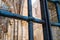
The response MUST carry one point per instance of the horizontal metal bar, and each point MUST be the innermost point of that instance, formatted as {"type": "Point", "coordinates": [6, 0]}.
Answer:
{"type": "Point", "coordinates": [55, 1]}
{"type": "Point", "coordinates": [35, 20]}
{"type": "Point", "coordinates": [12, 15]}
{"type": "Point", "coordinates": [55, 24]}
{"type": "Point", "coordinates": [17, 16]}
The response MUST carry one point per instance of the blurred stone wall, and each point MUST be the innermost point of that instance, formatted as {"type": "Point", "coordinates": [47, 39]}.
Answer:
{"type": "Point", "coordinates": [18, 29]}
{"type": "Point", "coordinates": [53, 18]}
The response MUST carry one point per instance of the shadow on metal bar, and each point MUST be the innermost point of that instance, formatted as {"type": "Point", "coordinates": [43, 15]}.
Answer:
{"type": "Point", "coordinates": [17, 16]}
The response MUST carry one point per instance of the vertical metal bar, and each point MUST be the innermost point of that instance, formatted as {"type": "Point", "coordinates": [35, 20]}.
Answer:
{"type": "Point", "coordinates": [30, 24]}
{"type": "Point", "coordinates": [58, 11]}
{"type": "Point", "coordinates": [45, 16]}
{"type": "Point", "coordinates": [48, 20]}
{"type": "Point", "coordinates": [45, 29]}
